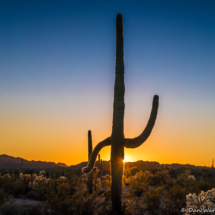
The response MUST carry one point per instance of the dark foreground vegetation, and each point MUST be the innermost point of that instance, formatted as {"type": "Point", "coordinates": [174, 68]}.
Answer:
{"type": "Point", "coordinates": [160, 191]}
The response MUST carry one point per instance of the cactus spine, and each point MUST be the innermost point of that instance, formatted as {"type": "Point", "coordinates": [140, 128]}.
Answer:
{"type": "Point", "coordinates": [117, 139]}
{"type": "Point", "coordinates": [90, 149]}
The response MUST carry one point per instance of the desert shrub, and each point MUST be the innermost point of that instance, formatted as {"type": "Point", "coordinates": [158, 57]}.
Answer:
{"type": "Point", "coordinates": [16, 209]}
{"type": "Point", "coordinates": [105, 205]}
{"type": "Point", "coordinates": [173, 173]}
{"type": "Point", "coordinates": [169, 182]}
{"type": "Point", "coordinates": [174, 199]}
{"type": "Point", "coordinates": [159, 201]}
{"type": "Point", "coordinates": [106, 177]}
{"type": "Point", "coordinates": [40, 193]}
{"type": "Point", "coordinates": [13, 186]}
{"type": "Point", "coordinates": [10, 208]}
{"type": "Point", "coordinates": [139, 182]}
{"type": "Point", "coordinates": [105, 172]}
{"type": "Point", "coordinates": [3, 197]}
{"type": "Point", "coordinates": [84, 206]}
{"type": "Point", "coordinates": [33, 195]}
{"type": "Point", "coordinates": [191, 178]}
{"type": "Point", "coordinates": [135, 207]}
{"type": "Point", "coordinates": [197, 173]}
{"type": "Point", "coordinates": [33, 181]}
{"type": "Point", "coordinates": [126, 181]}
{"type": "Point", "coordinates": [30, 210]}
{"type": "Point", "coordinates": [58, 197]}
{"type": "Point", "coordinates": [59, 193]}
{"type": "Point", "coordinates": [204, 201]}
{"type": "Point", "coordinates": [131, 171]}
{"type": "Point", "coordinates": [153, 201]}
{"type": "Point", "coordinates": [183, 178]}
{"type": "Point", "coordinates": [8, 186]}
{"type": "Point", "coordinates": [160, 178]}
{"type": "Point", "coordinates": [205, 185]}
{"type": "Point", "coordinates": [18, 187]}
{"type": "Point", "coordinates": [72, 197]}
{"type": "Point", "coordinates": [174, 196]}
{"type": "Point", "coordinates": [154, 181]}
{"type": "Point", "coordinates": [150, 205]}
{"type": "Point", "coordinates": [61, 201]}
{"type": "Point", "coordinates": [106, 184]}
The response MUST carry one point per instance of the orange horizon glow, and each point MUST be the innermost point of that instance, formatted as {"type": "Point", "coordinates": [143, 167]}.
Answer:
{"type": "Point", "coordinates": [47, 134]}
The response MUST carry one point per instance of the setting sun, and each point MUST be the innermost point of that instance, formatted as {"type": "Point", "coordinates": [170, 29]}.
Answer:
{"type": "Point", "coordinates": [125, 160]}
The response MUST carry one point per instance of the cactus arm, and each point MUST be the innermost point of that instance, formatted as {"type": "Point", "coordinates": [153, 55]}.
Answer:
{"type": "Point", "coordinates": [137, 141]}
{"type": "Point", "coordinates": [88, 169]}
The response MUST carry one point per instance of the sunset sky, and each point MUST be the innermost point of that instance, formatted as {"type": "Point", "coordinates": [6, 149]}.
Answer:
{"type": "Point", "coordinates": [57, 71]}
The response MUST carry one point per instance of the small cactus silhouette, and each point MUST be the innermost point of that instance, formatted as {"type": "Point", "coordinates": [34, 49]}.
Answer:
{"type": "Point", "coordinates": [21, 171]}
{"type": "Point", "coordinates": [90, 175]}
{"type": "Point", "coordinates": [117, 139]}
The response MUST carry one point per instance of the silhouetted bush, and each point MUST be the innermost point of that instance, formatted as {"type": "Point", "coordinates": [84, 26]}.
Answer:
{"type": "Point", "coordinates": [131, 171]}
{"type": "Point", "coordinates": [153, 200]}
{"type": "Point", "coordinates": [3, 197]}
{"type": "Point", "coordinates": [205, 185]}
{"type": "Point", "coordinates": [139, 182]}
{"type": "Point", "coordinates": [106, 184]}
{"type": "Point", "coordinates": [174, 199]}
{"type": "Point", "coordinates": [33, 195]}
{"type": "Point", "coordinates": [16, 209]}
{"type": "Point", "coordinates": [13, 186]}
{"type": "Point", "coordinates": [160, 178]}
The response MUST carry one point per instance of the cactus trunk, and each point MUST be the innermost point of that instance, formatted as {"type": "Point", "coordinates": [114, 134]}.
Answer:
{"type": "Point", "coordinates": [90, 149]}
{"type": "Point", "coordinates": [117, 137]}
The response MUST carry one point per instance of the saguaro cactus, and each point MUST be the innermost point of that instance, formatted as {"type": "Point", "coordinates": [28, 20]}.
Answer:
{"type": "Point", "coordinates": [90, 149]}
{"type": "Point", "coordinates": [117, 139]}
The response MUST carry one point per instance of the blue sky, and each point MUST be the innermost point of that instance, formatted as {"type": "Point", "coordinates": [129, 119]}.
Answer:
{"type": "Point", "coordinates": [57, 63]}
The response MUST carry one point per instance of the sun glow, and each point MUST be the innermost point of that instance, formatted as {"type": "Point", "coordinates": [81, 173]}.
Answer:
{"type": "Point", "coordinates": [125, 160]}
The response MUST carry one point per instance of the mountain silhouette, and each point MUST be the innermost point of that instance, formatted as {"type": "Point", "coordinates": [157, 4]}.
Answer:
{"type": "Point", "coordinates": [9, 162]}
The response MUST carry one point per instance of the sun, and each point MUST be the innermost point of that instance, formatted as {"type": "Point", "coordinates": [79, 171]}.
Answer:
{"type": "Point", "coordinates": [125, 160]}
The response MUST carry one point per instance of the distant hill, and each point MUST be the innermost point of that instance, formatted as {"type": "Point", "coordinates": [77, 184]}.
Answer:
{"type": "Point", "coordinates": [139, 164]}
{"type": "Point", "coordinates": [153, 164]}
{"type": "Point", "coordinates": [15, 163]}
{"type": "Point", "coordinates": [62, 165]}
{"type": "Point", "coordinates": [105, 165]}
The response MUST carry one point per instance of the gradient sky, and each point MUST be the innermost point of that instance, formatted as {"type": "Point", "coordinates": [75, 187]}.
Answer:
{"type": "Point", "coordinates": [57, 70]}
